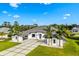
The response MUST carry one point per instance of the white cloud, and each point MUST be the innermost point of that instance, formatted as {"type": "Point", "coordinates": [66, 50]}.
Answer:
{"type": "Point", "coordinates": [16, 16]}
{"type": "Point", "coordinates": [46, 3]}
{"type": "Point", "coordinates": [5, 12]}
{"type": "Point", "coordinates": [45, 13]}
{"type": "Point", "coordinates": [67, 15]}
{"type": "Point", "coordinates": [15, 5]}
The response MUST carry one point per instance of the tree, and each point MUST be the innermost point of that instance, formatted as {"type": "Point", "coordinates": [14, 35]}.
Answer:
{"type": "Point", "coordinates": [74, 25]}
{"type": "Point", "coordinates": [48, 34]}
{"type": "Point", "coordinates": [26, 27]}
{"type": "Point", "coordinates": [16, 23]}
{"type": "Point", "coordinates": [16, 27]}
{"type": "Point", "coordinates": [35, 25]}
{"type": "Point", "coordinates": [6, 24]}
{"type": "Point", "coordinates": [11, 32]}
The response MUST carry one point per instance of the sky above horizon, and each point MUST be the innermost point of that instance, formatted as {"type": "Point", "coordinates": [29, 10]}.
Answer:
{"type": "Point", "coordinates": [40, 13]}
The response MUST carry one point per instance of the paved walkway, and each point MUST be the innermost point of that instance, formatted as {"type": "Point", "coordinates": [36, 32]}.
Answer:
{"type": "Point", "coordinates": [21, 49]}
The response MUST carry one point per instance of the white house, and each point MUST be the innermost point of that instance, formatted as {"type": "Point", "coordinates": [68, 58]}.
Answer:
{"type": "Point", "coordinates": [38, 34]}
{"type": "Point", "coordinates": [75, 29]}
{"type": "Point", "coordinates": [4, 31]}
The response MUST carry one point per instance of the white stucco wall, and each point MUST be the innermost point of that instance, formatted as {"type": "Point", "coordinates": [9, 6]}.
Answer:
{"type": "Point", "coordinates": [62, 43]}
{"type": "Point", "coordinates": [58, 42]}
{"type": "Point", "coordinates": [36, 36]}
{"type": "Point", "coordinates": [18, 39]}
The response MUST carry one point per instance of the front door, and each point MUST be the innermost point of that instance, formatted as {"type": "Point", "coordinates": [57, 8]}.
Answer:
{"type": "Point", "coordinates": [40, 36]}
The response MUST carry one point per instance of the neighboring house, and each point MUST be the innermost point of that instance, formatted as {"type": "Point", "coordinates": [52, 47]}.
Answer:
{"type": "Point", "coordinates": [4, 31]}
{"type": "Point", "coordinates": [75, 29]}
{"type": "Point", "coordinates": [37, 34]}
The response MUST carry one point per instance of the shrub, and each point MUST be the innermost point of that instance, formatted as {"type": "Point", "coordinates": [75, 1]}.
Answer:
{"type": "Point", "coordinates": [7, 39]}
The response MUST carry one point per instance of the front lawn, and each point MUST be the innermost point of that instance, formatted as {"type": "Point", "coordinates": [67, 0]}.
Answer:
{"type": "Point", "coordinates": [71, 48]}
{"type": "Point", "coordinates": [45, 51]}
{"type": "Point", "coordinates": [6, 44]}
{"type": "Point", "coordinates": [48, 51]}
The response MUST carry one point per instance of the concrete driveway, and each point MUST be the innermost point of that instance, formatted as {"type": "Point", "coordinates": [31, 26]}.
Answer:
{"type": "Point", "coordinates": [21, 49]}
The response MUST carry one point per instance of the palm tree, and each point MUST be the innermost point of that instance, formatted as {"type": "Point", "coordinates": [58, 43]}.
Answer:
{"type": "Point", "coordinates": [61, 32]}
{"type": "Point", "coordinates": [4, 23]}
{"type": "Point", "coordinates": [16, 27]}
{"type": "Point", "coordinates": [48, 34]}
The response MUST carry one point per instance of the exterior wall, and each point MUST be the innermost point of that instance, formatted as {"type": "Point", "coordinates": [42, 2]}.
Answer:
{"type": "Point", "coordinates": [62, 43]}
{"type": "Point", "coordinates": [58, 43]}
{"type": "Point", "coordinates": [4, 36]}
{"type": "Point", "coordinates": [14, 39]}
{"type": "Point", "coordinates": [36, 36]}
{"type": "Point", "coordinates": [17, 39]}
{"type": "Point", "coordinates": [20, 39]}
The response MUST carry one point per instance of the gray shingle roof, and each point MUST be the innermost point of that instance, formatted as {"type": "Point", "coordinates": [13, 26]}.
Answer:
{"type": "Point", "coordinates": [75, 28]}
{"type": "Point", "coordinates": [34, 30]}
{"type": "Point", "coordinates": [4, 30]}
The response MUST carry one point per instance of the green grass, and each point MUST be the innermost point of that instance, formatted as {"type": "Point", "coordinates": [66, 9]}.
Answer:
{"type": "Point", "coordinates": [6, 44]}
{"type": "Point", "coordinates": [70, 49]}
{"type": "Point", "coordinates": [48, 51]}
{"type": "Point", "coordinates": [45, 51]}
{"type": "Point", "coordinates": [77, 33]}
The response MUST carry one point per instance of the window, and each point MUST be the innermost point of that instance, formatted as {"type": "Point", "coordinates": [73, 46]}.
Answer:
{"type": "Point", "coordinates": [33, 35]}
{"type": "Point", "coordinates": [54, 41]}
{"type": "Point", "coordinates": [25, 36]}
{"type": "Point", "coordinates": [16, 37]}
{"type": "Point", "coordinates": [76, 31]}
{"type": "Point", "coordinates": [40, 36]}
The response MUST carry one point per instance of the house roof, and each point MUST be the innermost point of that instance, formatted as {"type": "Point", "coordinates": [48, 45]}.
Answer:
{"type": "Point", "coordinates": [4, 29]}
{"type": "Point", "coordinates": [75, 28]}
{"type": "Point", "coordinates": [34, 30]}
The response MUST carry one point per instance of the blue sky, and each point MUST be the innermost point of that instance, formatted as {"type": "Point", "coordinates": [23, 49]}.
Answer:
{"type": "Point", "coordinates": [40, 13]}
